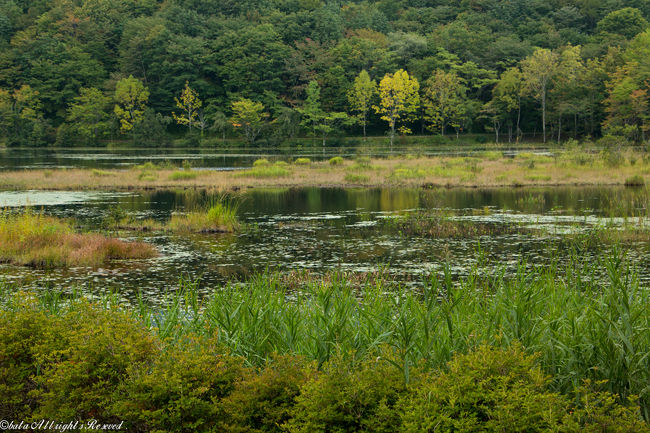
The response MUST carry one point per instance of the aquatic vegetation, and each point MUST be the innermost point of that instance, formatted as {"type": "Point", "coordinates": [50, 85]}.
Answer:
{"type": "Point", "coordinates": [337, 160]}
{"type": "Point", "coordinates": [217, 216]}
{"type": "Point", "coordinates": [506, 341]}
{"type": "Point", "coordinates": [34, 239]}
{"type": "Point", "coordinates": [183, 175]}
{"type": "Point", "coordinates": [441, 225]}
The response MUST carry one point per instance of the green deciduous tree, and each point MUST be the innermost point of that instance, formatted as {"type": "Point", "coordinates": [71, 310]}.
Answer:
{"type": "Point", "coordinates": [539, 69]}
{"type": "Point", "coordinates": [88, 114]}
{"type": "Point", "coordinates": [131, 98]}
{"type": "Point", "coordinates": [250, 116]}
{"type": "Point", "coordinates": [443, 100]}
{"type": "Point", "coordinates": [399, 99]}
{"type": "Point", "coordinates": [361, 96]}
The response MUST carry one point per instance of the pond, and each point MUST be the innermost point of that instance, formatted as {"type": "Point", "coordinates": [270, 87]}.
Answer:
{"type": "Point", "coordinates": [329, 229]}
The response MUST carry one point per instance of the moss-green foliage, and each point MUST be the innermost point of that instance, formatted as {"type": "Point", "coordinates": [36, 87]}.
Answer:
{"type": "Point", "coordinates": [179, 391]}
{"type": "Point", "coordinates": [407, 173]}
{"type": "Point", "coordinates": [302, 161]}
{"type": "Point", "coordinates": [263, 400]}
{"type": "Point", "coordinates": [342, 398]}
{"type": "Point", "coordinates": [261, 162]}
{"type": "Point", "coordinates": [337, 160]}
{"type": "Point", "coordinates": [488, 390]}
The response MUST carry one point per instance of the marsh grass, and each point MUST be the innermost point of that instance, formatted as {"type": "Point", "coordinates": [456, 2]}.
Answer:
{"type": "Point", "coordinates": [357, 178]}
{"type": "Point", "coordinates": [183, 175]}
{"type": "Point", "coordinates": [34, 239]}
{"type": "Point", "coordinates": [265, 171]}
{"type": "Point", "coordinates": [102, 173]}
{"type": "Point", "coordinates": [442, 225]}
{"type": "Point", "coordinates": [218, 215]}
{"type": "Point", "coordinates": [302, 161]}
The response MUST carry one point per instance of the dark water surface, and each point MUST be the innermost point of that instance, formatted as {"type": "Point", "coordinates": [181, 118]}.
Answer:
{"type": "Point", "coordinates": [324, 229]}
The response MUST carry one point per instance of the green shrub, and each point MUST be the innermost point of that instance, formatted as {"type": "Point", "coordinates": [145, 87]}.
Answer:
{"type": "Point", "coordinates": [488, 390]}
{"type": "Point", "coordinates": [343, 398]}
{"type": "Point", "coordinates": [180, 391]}
{"type": "Point", "coordinates": [302, 161]}
{"type": "Point", "coordinates": [263, 401]}
{"type": "Point", "coordinates": [183, 175]}
{"type": "Point", "coordinates": [261, 162]}
{"type": "Point", "coordinates": [356, 178]}
{"type": "Point", "coordinates": [337, 160]}
{"type": "Point", "coordinates": [280, 164]}
{"type": "Point", "coordinates": [77, 382]}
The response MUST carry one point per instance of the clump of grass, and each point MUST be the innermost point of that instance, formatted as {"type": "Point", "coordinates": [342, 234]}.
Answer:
{"type": "Point", "coordinates": [102, 173]}
{"type": "Point", "coordinates": [356, 178]}
{"type": "Point", "coordinates": [219, 216]}
{"type": "Point", "coordinates": [302, 161]}
{"type": "Point", "coordinates": [440, 225]}
{"type": "Point", "coordinates": [34, 239]}
{"type": "Point", "coordinates": [636, 180]}
{"type": "Point", "coordinates": [148, 176]}
{"type": "Point", "coordinates": [491, 155]}
{"type": "Point", "coordinates": [281, 164]}
{"type": "Point", "coordinates": [261, 162]}
{"type": "Point", "coordinates": [407, 173]}
{"type": "Point", "coordinates": [265, 171]}
{"type": "Point", "coordinates": [337, 160]}
{"type": "Point", "coordinates": [183, 175]}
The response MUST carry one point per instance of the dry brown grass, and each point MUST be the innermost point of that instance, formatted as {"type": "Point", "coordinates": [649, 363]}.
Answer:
{"type": "Point", "coordinates": [528, 170]}
{"type": "Point", "coordinates": [41, 241]}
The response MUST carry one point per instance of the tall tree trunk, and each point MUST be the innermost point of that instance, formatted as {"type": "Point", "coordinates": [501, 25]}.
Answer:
{"type": "Point", "coordinates": [544, 112]}
{"type": "Point", "coordinates": [559, 129]}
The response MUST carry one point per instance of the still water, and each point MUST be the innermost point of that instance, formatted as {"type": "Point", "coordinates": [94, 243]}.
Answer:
{"type": "Point", "coordinates": [325, 229]}
{"type": "Point", "coordinates": [212, 158]}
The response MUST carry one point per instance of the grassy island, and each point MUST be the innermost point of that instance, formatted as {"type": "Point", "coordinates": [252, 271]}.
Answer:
{"type": "Point", "coordinates": [486, 169]}
{"type": "Point", "coordinates": [34, 239]}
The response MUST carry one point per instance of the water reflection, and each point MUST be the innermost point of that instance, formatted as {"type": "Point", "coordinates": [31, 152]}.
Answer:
{"type": "Point", "coordinates": [323, 229]}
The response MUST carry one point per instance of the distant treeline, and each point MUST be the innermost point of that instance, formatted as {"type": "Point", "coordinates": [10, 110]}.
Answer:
{"type": "Point", "coordinates": [86, 71]}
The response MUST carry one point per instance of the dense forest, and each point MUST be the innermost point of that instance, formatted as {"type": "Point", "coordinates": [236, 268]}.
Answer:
{"type": "Point", "coordinates": [78, 72]}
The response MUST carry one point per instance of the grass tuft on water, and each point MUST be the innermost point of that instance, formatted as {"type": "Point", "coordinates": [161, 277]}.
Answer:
{"type": "Point", "coordinates": [34, 239]}
{"type": "Point", "coordinates": [265, 171]}
{"type": "Point", "coordinates": [219, 216]}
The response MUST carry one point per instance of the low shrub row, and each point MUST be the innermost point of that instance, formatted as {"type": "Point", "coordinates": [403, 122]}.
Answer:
{"type": "Point", "coordinates": [96, 363]}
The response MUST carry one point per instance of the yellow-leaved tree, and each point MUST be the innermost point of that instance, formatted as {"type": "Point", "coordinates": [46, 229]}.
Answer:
{"type": "Point", "coordinates": [398, 100]}
{"type": "Point", "coordinates": [190, 104]}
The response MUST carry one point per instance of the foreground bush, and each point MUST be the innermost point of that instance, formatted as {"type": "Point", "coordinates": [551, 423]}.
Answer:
{"type": "Point", "coordinates": [82, 362]}
{"type": "Point", "coordinates": [34, 239]}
